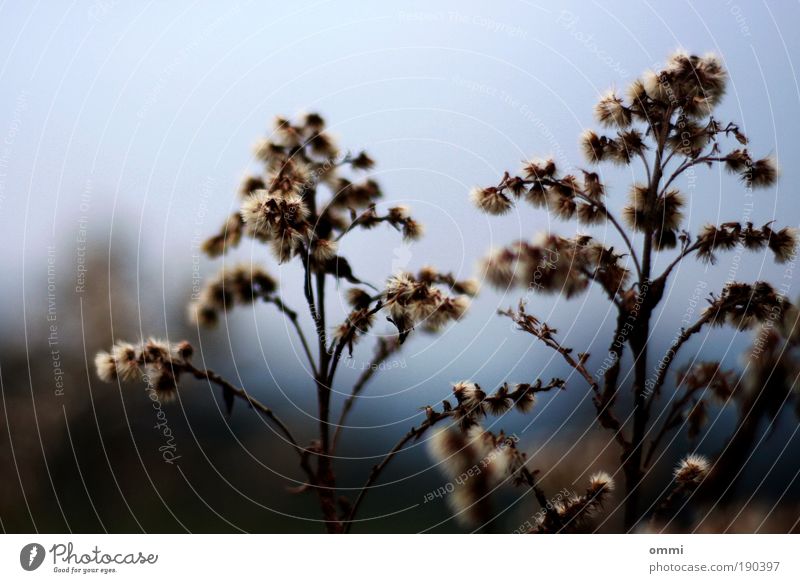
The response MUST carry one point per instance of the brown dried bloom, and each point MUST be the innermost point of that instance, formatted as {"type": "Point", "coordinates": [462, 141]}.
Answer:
{"type": "Point", "coordinates": [692, 469]}
{"type": "Point", "coordinates": [475, 462]}
{"type": "Point", "coordinates": [416, 300]}
{"type": "Point", "coordinates": [744, 306]}
{"type": "Point", "coordinates": [570, 515]}
{"type": "Point", "coordinates": [664, 124]}
{"type": "Point", "coordinates": [229, 236]}
{"type": "Point", "coordinates": [491, 200]}
{"type": "Point", "coordinates": [761, 173]}
{"type": "Point", "coordinates": [158, 362]}
{"type": "Point", "coordinates": [241, 284]}
{"type": "Point", "coordinates": [612, 112]}
{"type": "Point", "coordinates": [556, 265]}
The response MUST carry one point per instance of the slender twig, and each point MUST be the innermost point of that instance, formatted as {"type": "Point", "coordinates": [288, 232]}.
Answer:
{"type": "Point", "coordinates": [688, 164]}
{"type": "Point", "coordinates": [672, 352]}
{"type": "Point", "coordinates": [293, 318]}
{"type": "Point", "coordinates": [645, 163]}
{"type": "Point", "coordinates": [338, 347]}
{"type": "Point", "coordinates": [686, 251]}
{"type": "Point", "coordinates": [257, 405]}
{"type": "Point", "coordinates": [309, 294]}
{"type": "Point", "coordinates": [625, 238]}
{"type": "Point", "coordinates": [604, 413]}
{"type": "Point", "coordinates": [384, 349]}
{"type": "Point", "coordinates": [593, 201]}
{"type": "Point", "coordinates": [432, 418]}
{"type": "Point", "coordinates": [669, 423]}
{"type": "Point", "coordinates": [414, 433]}
{"type": "Point", "coordinates": [664, 365]}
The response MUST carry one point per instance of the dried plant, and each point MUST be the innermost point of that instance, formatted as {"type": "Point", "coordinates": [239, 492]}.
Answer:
{"type": "Point", "coordinates": [284, 208]}
{"type": "Point", "coordinates": [664, 127]}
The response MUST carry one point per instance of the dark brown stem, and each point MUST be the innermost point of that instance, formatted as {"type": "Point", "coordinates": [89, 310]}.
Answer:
{"type": "Point", "coordinates": [293, 318]}
{"type": "Point", "coordinates": [672, 352]}
{"type": "Point", "coordinates": [662, 279]}
{"type": "Point", "coordinates": [414, 433]}
{"type": "Point", "coordinates": [605, 415]}
{"type": "Point", "coordinates": [632, 459]}
{"type": "Point", "coordinates": [215, 378]}
{"type": "Point", "coordinates": [325, 474]}
{"type": "Point", "coordinates": [382, 352]}
{"type": "Point", "coordinates": [669, 423]}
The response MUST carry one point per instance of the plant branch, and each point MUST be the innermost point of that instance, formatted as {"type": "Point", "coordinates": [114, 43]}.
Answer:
{"type": "Point", "coordinates": [672, 352]}
{"type": "Point", "coordinates": [293, 318]}
{"type": "Point", "coordinates": [414, 433]}
{"type": "Point", "coordinates": [531, 325]}
{"type": "Point", "coordinates": [257, 405]}
{"type": "Point", "coordinates": [625, 238]}
{"type": "Point", "coordinates": [686, 251]}
{"type": "Point", "coordinates": [688, 164]}
{"type": "Point", "coordinates": [384, 349]}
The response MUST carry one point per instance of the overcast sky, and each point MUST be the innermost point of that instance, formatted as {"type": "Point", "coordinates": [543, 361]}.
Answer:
{"type": "Point", "coordinates": [132, 123]}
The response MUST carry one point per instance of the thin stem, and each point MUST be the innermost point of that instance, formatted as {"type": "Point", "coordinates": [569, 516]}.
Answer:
{"type": "Point", "coordinates": [610, 216]}
{"type": "Point", "coordinates": [309, 294]}
{"type": "Point", "coordinates": [666, 361]}
{"type": "Point", "coordinates": [668, 424]}
{"type": "Point", "coordinates": [414, 433]}
{"type": "Point", "coordinates": [646, 164]}
{"type": "Point", "coordinates": [605, 415]}
{"type": "Point", "coordinates": [638, 339]}
{"type": "Point", "coordinates": [215, 378]}
{"type": "Point", "coordinates": [383, 351]}
{"type": "Point", "coordinates": [338, 347]}
{"type": "Point", "coordinates": [672, 352]}
{"type": "Point", "coordinates": [324, 381]}
{"type": "Point", "coordinates": [686, 251]}
{"type": "Point", "coordinates": [625, 238]}
{"type": "Point", "coordinates": [688, 164]}
{"type": "Point", "coordinates": [591, 200]}
{"type": "Point", "coordinates": [293, 318]}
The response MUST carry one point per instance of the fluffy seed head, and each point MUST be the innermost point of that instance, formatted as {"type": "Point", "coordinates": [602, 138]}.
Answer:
{"type": "Point", "coordinates": [106, 367]}
{"type": "Point", "coordinates": [601, 481]}
{"type": "Point", "coordinates": [491, 200]}
{"type": "Point", "coordinates": [692, 469]}
{"type": "Point", "coordinates": [610, 111]}
{"type": "Point", "coordinates": [125, 358]}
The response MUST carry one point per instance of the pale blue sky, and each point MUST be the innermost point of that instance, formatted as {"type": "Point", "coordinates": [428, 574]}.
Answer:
{"type": "Point", "coordinates": [144, 113]}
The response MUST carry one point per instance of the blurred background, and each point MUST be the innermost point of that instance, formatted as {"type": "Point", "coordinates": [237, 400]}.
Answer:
{"type": "Point", "coordinates": [125, 130]}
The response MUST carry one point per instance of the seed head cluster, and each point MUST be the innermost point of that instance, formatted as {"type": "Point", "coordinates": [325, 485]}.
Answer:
{"type": "Point", "coordinates": [158, 362]}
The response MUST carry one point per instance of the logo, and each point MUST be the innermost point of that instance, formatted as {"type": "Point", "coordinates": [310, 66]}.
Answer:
{"type": "Point", "coordinates": [401, 257]}
{"type": "Point", "coordinates": [31, 556]}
